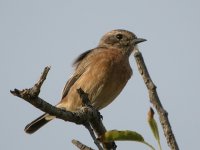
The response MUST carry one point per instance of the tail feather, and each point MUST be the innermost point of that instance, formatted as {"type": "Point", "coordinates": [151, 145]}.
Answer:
{"type": "Point", "coordinates": [37, 124]}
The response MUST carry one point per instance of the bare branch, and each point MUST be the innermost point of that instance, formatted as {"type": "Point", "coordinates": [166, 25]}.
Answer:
{"type": "Point", "coordinates": [86, 103]}
{"type": "Point", "coordinates": [86, 115]}
{"type": "Point", "coordinates": [95, 122]}
{"type": "Point", "coordinates": [154, 99]}
{"type": "Point", "coordinates": [80, 145]}
{"type": "Point", "coordinates": [87, 125]}
{"type": "Point", "coordinates": [31, 96]}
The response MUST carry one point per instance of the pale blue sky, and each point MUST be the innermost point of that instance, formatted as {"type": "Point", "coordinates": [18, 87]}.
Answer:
{"type": "Point", "coordinates": [38, 33]}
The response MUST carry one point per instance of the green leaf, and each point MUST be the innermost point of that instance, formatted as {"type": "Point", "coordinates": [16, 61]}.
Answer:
{"type": "Point", "coordinates": [154, 127]}
{"type": "Point", "coordinates": [126, 135]}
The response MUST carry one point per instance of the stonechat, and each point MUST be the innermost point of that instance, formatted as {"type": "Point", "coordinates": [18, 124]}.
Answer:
{"type": "Point", "coordinates": [101, 72]}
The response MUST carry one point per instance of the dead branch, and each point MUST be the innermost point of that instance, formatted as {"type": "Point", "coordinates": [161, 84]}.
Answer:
{"type": "Point", "coordinates": [154, 99]}
{"type": "Point", "coordinates": [80, 145]}
{"type": "Point", "coordinates": [86, 115]}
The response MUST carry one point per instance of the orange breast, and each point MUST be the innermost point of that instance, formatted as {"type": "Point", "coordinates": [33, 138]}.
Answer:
{"type": "Point", "coordinates": [103, 79]}
{"type": "Point", "coordinates": [117, 78]}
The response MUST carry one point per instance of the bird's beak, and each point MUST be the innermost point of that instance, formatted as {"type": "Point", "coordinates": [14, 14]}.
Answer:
{"type": "Point", "coordinates": [138, 40]}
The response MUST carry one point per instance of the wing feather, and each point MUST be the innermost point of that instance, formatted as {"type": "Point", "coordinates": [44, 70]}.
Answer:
{"type": "Point", "coordinates": [78, 72]}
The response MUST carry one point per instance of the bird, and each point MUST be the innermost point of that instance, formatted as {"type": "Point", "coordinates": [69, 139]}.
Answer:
{"type": "Point", "coordinates": [101, 72]}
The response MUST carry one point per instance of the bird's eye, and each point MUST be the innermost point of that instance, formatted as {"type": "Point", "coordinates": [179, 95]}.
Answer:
{"type": "Point", "coordinates": [119, 36]}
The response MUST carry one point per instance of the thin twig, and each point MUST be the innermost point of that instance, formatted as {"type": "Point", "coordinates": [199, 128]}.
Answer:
{"type": "Point", "coordinates": [86, 102]}
{"type": "Point", "coordinates": [80, 145]}
{"type": "Point", "coordinates": [154, 99]}
{"type": "Point", "coordinates": [96, 121]}
{"type": "Point", "coordinates": [96, 142]}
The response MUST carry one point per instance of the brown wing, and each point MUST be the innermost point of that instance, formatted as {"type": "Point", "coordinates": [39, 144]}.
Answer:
{"type": "Point", "coordinates": [69, 83]}
{"type": "Point", "coordinates": [78, 72]}
{"type": "Point", "coordinates": [81, 57]}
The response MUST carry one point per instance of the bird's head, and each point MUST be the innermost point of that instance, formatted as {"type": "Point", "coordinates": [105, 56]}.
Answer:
{"type": "Point", "coordinates": [120, 39]}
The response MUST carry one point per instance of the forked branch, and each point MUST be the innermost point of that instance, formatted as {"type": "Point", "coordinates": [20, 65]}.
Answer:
{"type": "Point", "coordinates": [86, 116]}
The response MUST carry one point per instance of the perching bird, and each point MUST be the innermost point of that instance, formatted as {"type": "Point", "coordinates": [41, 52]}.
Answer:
{"type": "Point", "coordinates": [101, 72]}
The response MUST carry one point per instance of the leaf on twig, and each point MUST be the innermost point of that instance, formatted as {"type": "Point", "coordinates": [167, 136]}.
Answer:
{"type": "Point", "coordinates": [153, 125]}
{"type": "Point", "coordinates": [126, 135]}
